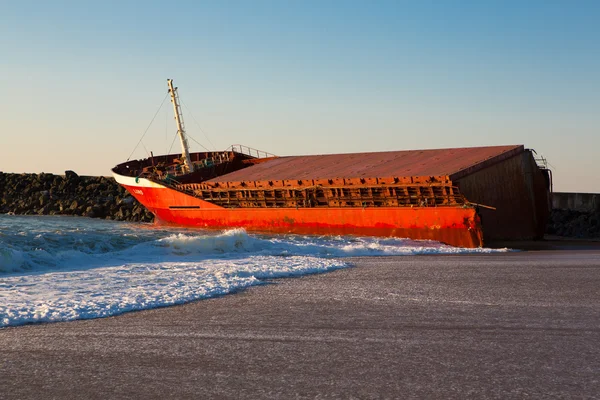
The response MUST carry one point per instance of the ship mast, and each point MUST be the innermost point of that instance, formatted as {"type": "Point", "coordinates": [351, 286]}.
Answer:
{"type": "Point", "coordinates": [185, 151]}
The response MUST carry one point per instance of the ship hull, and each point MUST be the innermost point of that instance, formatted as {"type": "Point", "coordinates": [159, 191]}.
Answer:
{"type": "Point", "coordinates": [456, 226]}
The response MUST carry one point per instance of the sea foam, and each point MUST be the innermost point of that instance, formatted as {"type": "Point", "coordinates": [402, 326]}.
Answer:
{"type": "Point", "coordinates": [59, 269]}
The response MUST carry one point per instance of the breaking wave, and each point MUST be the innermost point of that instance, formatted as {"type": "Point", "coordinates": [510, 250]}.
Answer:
{"type": "Point", "coordinates": [64, 268]}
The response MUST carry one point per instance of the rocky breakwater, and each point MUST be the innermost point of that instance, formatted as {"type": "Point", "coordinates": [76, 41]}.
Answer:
{"type": "Point", "coordinates": [71, 194]}
{"type": "Point", "coordinates": [573, 223]}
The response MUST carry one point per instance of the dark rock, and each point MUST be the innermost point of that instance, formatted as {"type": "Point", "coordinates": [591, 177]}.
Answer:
{"type": "Point", "coordinates": [48, 194]}
{"type": "Point", "coordinates": [128, 201]}
{"type": "Point", "coordinates": [71, 175]}
{"type": "Point", "coordinates": [572, 223]}
{"type": "Point", "coordinates": [44, 210]}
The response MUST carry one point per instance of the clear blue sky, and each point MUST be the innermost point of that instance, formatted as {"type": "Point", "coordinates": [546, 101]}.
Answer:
{"type": "Point", "coordinates": [81, 80]}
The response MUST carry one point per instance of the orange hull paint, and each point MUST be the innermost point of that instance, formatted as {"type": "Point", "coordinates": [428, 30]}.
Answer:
{"type": "Point", "coordinates": [456, 226]}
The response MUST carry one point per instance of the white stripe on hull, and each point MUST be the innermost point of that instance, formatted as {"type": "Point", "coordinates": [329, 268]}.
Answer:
{"type": "Point", "coordinates": [136, 182]}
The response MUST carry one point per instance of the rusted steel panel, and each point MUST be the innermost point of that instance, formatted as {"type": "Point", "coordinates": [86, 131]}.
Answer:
{"type": "Point", "coordinates": [417, 165]}
{"type": "Point", "coordinates": [303, 183]}
{"type": "Point", "coordinates": [517, 189]}
{"type": "Point", "coordinates": [478, 166]}
{"type": "Point", "coordinates": [328, 196]}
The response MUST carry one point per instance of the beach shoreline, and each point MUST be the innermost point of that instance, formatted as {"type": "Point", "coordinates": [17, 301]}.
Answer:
{"type": "Point", "coordinates": [503, 325]}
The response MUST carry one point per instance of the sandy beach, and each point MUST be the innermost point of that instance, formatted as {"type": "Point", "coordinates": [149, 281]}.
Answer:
{"type": "Point", "coordinates": [510, 325]}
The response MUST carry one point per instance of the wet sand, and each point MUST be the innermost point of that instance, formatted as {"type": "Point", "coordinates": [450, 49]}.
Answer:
{"type": "Point", "coordinates": [515, 325]}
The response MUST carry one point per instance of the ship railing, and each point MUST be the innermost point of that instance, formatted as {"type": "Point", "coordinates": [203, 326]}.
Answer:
{"type": "Point", "coordinates": [181, 187]}
{"type": "Point", "coordinates": [252, 152]}
{"type": "Point", "coordinates": [320, 196]}
{"type": "Point", "coordinates": [541, 162]}
{"type": "Point", "coordinates": [167, 180]}
{"type": "Point", "coordinates": [217, 159]}
{"type": "Point", "coordinates": [162, 172]}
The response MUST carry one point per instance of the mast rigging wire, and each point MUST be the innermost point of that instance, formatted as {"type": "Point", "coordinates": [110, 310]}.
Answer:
{"type": "Point", "coordinates": [173, 142]}
{"type": "Point", "coordinates": [175, 136]}
{"type": "Point", "coordinates": [201, 145]}
{"type": "Point", "coordinates": [146, 131]}
{"type": "Point", "coordinates": [201, 130]}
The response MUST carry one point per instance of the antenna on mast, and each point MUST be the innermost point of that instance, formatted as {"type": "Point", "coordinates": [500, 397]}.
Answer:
{"type": "Point", "coordinates": [185, 151]}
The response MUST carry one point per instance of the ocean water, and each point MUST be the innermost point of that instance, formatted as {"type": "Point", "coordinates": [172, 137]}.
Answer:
{"type": "Point", "coordinates": [67, 268]}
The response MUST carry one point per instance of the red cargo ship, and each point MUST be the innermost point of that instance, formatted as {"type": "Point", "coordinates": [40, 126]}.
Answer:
{"type": "Point", "coordinates": [371, 194]}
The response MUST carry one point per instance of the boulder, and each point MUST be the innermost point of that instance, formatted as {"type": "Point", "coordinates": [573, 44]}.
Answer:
{"type": "Point", "coordinates": [71, 175]}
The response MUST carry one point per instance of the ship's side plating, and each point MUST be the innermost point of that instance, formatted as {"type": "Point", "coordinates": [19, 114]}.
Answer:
{"type": "Point", "coordinates": [458, 226]}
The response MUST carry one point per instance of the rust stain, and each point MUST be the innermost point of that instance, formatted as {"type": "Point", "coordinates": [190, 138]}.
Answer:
{"type": "Point", "coordinates": [419, 165]}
